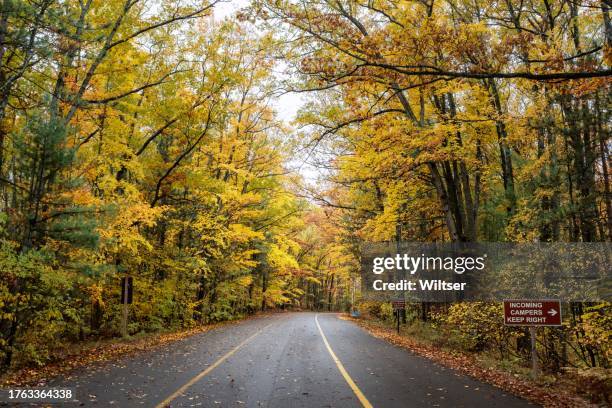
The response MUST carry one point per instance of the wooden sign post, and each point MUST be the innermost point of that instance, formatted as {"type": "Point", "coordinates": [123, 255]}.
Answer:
{"type": "Point", "coordinates": [127, 290]}
{"type": "Point", "coordinates": [398, 306]}
{"type": "Point", "coordinates": [532, 313]}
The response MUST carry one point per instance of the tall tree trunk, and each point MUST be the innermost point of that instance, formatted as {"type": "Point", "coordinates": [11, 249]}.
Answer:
{"type": "Point", "coordinates": [330, 293]}
{"type": "Point", "coordinates": [605, 157]}
{"type": "Point", "coordinates": [504, 150]}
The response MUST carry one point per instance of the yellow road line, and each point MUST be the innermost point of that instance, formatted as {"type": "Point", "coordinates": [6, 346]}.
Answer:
{"type": "Point", "coordinates": [198, 377]}
{"type": "Point", "coordinates": [362, 398]}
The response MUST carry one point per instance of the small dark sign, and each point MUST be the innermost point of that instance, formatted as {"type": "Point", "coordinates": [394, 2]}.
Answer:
{"type": "Point", "coordinates": [530, 312]}
{"type": "Point", "coordinates": [127, 289]}
{"type": "Point", "coordinates": [398, 304]}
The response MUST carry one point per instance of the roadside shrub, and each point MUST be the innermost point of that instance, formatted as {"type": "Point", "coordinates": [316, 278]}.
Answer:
{"type": "Point", "coordinates": [594, 382]}
{"type": "Point", "coordinates": [369, 309]}
{"type": "Point", "coordinates": [386, 312]}
{"type": "Point", "coordinates": [479, 326]}
{"type": "Point", "coordinates": [376, 309]}
{"type": "Point", "coordinates": [594, 331]}
{"type": "Point", "coordinates": [36, 309]}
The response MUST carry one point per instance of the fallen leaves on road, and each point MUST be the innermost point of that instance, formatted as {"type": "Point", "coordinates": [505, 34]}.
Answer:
{"type": "Point", "coordinates": [550, 396]}
{"type": "Point", "coordinates": [100, 352]}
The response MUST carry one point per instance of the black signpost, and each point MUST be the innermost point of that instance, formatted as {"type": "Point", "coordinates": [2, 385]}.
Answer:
{"type": "Point", "coordinates": [398, 307]}
{"type": "Point", "coordinates": [127, 290]}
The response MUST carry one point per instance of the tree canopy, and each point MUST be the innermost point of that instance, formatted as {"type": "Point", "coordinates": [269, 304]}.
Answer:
{"type": "Point", "coordinates": [142, 138]}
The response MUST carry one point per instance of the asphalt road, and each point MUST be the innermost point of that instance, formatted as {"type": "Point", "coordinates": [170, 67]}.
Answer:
{"type": "Point", "coordinates": [284, 360]}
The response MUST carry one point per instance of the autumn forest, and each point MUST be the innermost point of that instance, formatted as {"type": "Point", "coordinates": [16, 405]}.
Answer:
{"type": "Point", "coordinates": [143, 138]}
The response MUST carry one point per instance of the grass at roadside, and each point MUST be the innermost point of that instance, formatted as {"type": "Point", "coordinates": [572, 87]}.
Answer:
{"type": "Point", "coordinates": [547, 390]}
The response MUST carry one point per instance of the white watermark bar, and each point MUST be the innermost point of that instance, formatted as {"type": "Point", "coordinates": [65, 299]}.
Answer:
{"type": "Point", "coordinates": [38, 394]}
{"type": "Point", "coordinates": [447, 272]}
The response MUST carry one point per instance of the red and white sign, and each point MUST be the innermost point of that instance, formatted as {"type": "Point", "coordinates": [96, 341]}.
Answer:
{"type": "Point", "coordinates": [398, 304]}
{"type": "Point", "coordinates": [530, 312]}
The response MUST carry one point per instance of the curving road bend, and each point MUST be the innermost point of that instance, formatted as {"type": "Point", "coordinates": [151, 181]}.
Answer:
{"type": "Point", "coordinates": [281, 360]}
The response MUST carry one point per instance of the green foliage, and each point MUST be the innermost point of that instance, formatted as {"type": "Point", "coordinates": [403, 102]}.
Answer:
{"type": "Point", "coordinates": [479, 325]}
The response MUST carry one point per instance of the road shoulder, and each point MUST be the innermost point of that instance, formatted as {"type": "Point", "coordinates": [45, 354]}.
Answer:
{"type": "Point", "coordinates": [97, 352]}
{"type": "Point", "coordinates": [464, 364]}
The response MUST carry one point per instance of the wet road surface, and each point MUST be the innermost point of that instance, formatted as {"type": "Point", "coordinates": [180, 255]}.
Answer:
{"type": "Point", "coordinates": [282, 360]}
